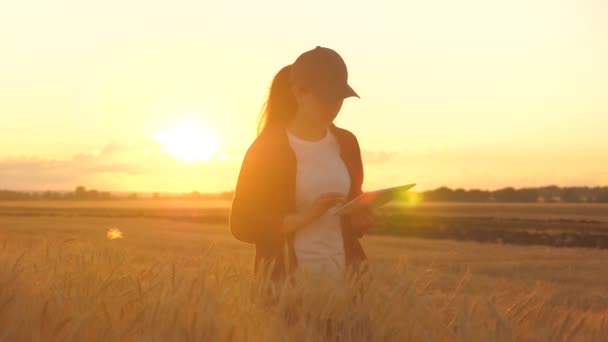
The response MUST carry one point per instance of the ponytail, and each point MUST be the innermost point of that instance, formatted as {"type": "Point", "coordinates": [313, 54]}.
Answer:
{"type": "Point", "coordinates": [281, 105]}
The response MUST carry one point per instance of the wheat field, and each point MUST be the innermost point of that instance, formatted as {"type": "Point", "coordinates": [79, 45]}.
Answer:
{"type": "Point", "coordinates": [148, 279]}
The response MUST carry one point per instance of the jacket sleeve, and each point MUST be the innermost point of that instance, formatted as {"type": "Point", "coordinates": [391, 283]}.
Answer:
{"type": "Point", "coordinates": [359, 230]}
{"type": "Point", "coordinates": [359, 165]}
{"type": "Point", "coordinates": [251, 217]}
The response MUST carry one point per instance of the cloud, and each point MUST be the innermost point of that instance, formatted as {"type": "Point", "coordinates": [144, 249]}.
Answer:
{"type": "Point", "coordinates": [142, 166]}
{"type": "Point", "coordinates": [35, 172]}
{"type": "Point", "coordinates": [117, 165]}
{"type": "Point", "coordinates": [485, 167]}
{"type": "Point", "coordinates": [377, 157]}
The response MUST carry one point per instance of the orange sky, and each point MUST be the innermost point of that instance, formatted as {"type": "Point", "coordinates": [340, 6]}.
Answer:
{"type": "Point", "coordinates": [163, 96]}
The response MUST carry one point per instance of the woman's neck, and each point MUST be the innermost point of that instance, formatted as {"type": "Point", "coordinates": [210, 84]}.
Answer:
{"type": "Point", "coordinates": [306, 129]}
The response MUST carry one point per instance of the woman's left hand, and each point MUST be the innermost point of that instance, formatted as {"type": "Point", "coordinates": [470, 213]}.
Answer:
{"type": "Point", "coordinates": [362, 220]}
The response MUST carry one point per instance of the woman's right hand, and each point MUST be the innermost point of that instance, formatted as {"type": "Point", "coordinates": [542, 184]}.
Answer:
{"type": "Point", "coordinates": [325, 201]}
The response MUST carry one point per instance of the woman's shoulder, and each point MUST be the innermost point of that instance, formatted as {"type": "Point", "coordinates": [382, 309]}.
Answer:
{"type": "Point", "coordinates": [270, 140]}
{"type": "Point", "coordinates": [344, 134]}
{"type": "Point", "coordinates": [265, 143]}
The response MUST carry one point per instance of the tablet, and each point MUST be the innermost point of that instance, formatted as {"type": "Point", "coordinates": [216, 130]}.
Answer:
{"type": "Point", "coordinates": [374, 198]}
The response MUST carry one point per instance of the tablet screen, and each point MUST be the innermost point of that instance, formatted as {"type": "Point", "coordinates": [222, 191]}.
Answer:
{"type": "Point", "coordinates": [374, 198]}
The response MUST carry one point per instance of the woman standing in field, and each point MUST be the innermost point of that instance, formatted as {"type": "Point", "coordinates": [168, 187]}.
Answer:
{"type": "Point", "coordinates": [299, 166]}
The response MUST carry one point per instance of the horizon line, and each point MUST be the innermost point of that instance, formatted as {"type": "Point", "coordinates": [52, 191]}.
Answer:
{"type": "Point", "coordinates": [232, 190]}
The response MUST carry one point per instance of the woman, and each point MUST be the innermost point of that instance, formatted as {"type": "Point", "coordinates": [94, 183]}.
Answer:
{"type": "Point", "coordinates": [299, 166]}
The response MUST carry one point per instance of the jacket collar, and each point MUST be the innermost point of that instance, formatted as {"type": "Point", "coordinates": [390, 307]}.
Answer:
{"type": "Point", "coordinates": [278, 136]}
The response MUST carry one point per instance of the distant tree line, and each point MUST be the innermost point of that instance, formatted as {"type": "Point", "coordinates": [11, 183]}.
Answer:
{"type": "Point", "coordinates": [82, 193]}
{"type": "Point", "coordinates": [225, 195]}
{"type": "Point", "coordinates": [547, 194]}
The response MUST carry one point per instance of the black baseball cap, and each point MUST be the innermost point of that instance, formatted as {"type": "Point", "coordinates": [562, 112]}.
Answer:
{"type": "Point", "coordinates": [323, 72]}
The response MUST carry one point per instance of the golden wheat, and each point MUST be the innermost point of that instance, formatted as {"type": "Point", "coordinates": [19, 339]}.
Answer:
{"type": "Point", "coordinates": [63, 287]}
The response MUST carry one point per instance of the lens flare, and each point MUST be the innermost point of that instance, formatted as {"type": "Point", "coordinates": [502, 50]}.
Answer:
{"type": "Point", "coordinates": [114, 233]}
{"type": "Point", "coordinates": [409, 198]}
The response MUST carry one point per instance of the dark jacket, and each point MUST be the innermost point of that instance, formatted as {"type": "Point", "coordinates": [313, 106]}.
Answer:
{"type": "Point", "coordinates": [265, 194]}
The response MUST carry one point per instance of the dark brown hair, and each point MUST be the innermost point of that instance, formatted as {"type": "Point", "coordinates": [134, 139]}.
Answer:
{"type": "Point", "coordinates": [280, 106]}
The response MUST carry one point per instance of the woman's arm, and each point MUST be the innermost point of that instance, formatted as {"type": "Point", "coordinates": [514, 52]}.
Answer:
{"type": "Point", "coordinates": [362, 219]}
{"type": "Point", "coordinates": [252, 218]}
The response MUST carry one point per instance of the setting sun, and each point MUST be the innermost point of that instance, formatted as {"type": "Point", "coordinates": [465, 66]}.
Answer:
{"type": "Point", "coordinates": [187, 141]}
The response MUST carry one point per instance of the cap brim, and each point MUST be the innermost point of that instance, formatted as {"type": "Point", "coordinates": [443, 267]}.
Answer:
{"type": "Point", "coordinates": [350, 92]}
{"type": "Point", "coordinates": [335, 93]}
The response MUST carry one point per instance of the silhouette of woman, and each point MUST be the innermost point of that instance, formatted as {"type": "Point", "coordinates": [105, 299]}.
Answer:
{"type": "Point", "coordinates": [300, 165]}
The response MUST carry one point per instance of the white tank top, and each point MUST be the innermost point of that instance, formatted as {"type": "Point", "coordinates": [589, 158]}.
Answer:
{"type": "Point", "coordinates": [319, 246]}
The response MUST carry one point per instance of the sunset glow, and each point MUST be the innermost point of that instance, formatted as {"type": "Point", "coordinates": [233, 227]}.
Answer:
{"type": "Point", "coordinates": [465, 94]}
{"type": "Point", "coordinates": [187, 141]}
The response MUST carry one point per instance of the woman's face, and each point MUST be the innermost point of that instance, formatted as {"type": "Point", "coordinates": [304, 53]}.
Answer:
{"type": "Point", "coordinates": [316, 109]}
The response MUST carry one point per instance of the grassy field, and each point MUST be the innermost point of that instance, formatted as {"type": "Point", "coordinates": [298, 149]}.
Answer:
{"type": "Point", "coordinates": [176, 275]}
{"type": "Point", "coordinates": [558, 225]}
{"type": "Point", "coordinates": [570, 211]}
